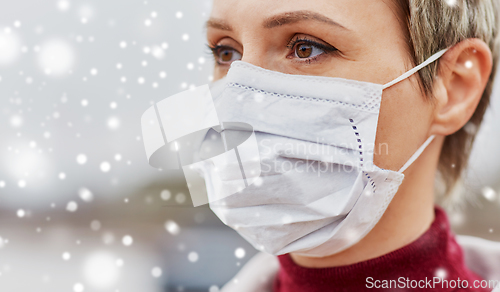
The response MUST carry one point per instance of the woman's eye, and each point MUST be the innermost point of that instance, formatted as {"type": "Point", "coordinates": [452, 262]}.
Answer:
{"type": "Point", "coordinates": [226, 55]}
{"type": "Point", "coordinates": [304, 51]}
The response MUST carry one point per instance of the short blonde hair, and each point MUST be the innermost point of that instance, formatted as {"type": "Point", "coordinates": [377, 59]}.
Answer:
{"type": "Point", "coordinates": [433, 25]}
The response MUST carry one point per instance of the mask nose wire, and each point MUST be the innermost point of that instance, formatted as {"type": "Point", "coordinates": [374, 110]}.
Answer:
{"type": "Point", "coordinates": [415, 69]}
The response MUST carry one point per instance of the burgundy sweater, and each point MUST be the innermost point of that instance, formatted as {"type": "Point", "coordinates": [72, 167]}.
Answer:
{"type": "Point", "coordinates": [410, 268]}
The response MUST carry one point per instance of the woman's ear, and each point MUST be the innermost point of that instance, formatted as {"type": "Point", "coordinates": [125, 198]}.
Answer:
{"type": "Point", "coordinates": [463, 73]}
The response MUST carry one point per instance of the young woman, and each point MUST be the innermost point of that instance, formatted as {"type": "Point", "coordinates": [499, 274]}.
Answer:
{"type": "Point", "coordinates": [345, 53]}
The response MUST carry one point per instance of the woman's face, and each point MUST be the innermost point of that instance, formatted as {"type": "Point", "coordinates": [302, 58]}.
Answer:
{"type": "Point", "coordinates": [353, 39]}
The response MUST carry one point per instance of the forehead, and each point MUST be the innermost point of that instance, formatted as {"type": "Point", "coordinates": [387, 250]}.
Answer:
{"type": "Point", "coordinates": [358, 15]}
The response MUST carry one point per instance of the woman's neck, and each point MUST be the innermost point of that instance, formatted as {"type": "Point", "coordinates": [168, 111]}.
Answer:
{"type": "Point", "coordinates": [408, 216]}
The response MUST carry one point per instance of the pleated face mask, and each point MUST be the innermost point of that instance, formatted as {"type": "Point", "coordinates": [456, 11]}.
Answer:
{"type": "Point", "coordinates": [319, 191]}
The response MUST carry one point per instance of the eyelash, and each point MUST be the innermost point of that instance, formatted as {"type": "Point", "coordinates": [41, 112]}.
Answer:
{"type": "Point", "coordinates": [327, 49]}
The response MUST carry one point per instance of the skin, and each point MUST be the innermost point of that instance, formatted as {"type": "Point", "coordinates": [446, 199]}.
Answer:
{"type": "Point", "coordinates": [371, 47]}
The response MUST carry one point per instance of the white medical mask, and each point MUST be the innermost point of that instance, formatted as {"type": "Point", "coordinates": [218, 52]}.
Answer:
{"type": "Point", "coordinates": [319, 191]}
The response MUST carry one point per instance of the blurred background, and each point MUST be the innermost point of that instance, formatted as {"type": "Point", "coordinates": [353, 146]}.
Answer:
{"type": "Point", "coordinates": [80, 208]}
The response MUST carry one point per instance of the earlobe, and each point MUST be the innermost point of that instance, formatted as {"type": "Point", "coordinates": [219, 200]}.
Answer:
{"type": "Point", "coordinates": [462, 77]}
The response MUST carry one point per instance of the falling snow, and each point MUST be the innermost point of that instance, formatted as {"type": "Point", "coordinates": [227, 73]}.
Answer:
{"type": "Point", "coordinates": [85, 194]}
{"type": "Point", "coordinates": [66, 256]}
{"type": "Point", "coordinates": [78, 287]}
{"type": "Point", "coordinates": [105, 166]}
{"type": "Point", "coordinates": [239, 253]}
{"type": "Point", "coordinates": [81, 158]}
{"type": "Point", "coordinates": [180, 198]}
{"type": "Point", "coordinates": [489, 194]}
{"type": "Point", "coordinates": [75, 185]}
{"type": "Point", "coordinates": [127, 240]}
{"type": "Point", "coordinates": [113, 123]}
{"type": "Point", "coordinates": [95, 225]}
{"type": "Point", "coordinates": [156, 272]}
{"type": "Point", "coordinates": [172, 227]}
{"type": "Point", "coordinates": [193, 257]}
{"type": "Point", "coordinates": [63, 5]}
{"type": "Point", "coordinates": [21, 213]}
{"type": "Point", "coordinates": [165, 195]}
{"type": "Point", "coordinates": [72, 206]}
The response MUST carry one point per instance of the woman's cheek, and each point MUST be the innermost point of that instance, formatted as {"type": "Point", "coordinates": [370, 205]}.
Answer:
{"type": "Point", "coordinates": [219, 72]}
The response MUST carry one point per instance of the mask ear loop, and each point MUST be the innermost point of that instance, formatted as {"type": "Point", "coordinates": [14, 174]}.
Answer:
{"type": "Point", "coordinates": [416, 154]}
{"type": "Point", "coordinates": [430, 60]}
{"type": "Point", "coordinates": [416, 69]}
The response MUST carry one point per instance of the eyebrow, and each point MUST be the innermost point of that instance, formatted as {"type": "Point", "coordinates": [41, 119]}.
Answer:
{"type": "Point", "coordinates": [297, 16]}
{"type": "Point", "coordinates": [279, 20]}
{"type": "Point", "coordinates": [218, 24]}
